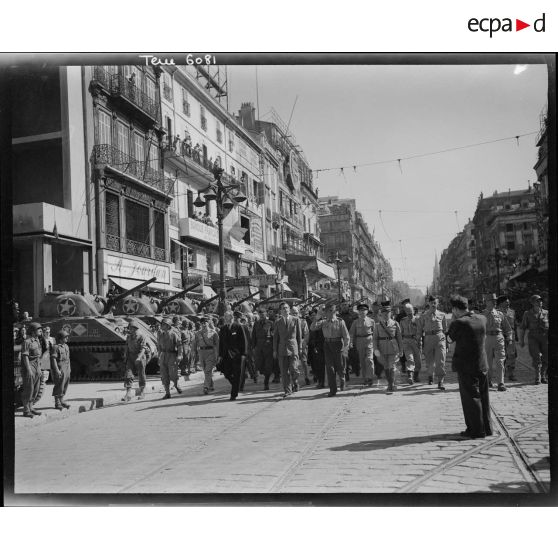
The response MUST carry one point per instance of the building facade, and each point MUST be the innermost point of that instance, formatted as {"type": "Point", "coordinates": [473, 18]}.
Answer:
{"type": "Point", "coordinates": [364, 272]}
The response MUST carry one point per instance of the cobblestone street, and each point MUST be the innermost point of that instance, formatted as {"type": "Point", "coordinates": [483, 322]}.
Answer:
{"type": "Point", "coordinates": [361, 441]}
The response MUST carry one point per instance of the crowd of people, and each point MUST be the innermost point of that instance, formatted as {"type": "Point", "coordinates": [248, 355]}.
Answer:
{"type": "Point", "coordinates": [326, 345]}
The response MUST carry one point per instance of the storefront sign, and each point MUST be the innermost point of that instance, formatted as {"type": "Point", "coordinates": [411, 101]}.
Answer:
{"type": "Point", "coordinates": [206, 233]}
{"type": "Point", "coordinates": [136, 269]}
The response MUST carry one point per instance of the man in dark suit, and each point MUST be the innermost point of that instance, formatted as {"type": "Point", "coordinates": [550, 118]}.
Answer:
{"type": "Point", "coordinates": [232, 348]}
{"type": "Point", "coordinates": [468, 331]}
{"type": "Point", "coordinates": [287, 346]}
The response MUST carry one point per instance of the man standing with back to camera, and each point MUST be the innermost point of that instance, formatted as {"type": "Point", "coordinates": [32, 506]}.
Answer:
{"type": "Point", "coordinates": [468, 331]}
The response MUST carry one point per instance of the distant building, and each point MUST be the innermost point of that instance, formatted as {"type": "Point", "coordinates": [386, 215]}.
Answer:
{"type": "Point", "coordinates": [364, 271]}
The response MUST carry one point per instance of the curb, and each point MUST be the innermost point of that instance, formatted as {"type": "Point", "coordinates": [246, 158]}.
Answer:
{"type": "Point", "coordinates": [152, 388]}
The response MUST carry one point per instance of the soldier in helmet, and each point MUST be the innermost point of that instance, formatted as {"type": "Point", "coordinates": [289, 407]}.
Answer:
{"type": "Point", "coordinates": [135, 359]}
{"type": "Point", "coordinates": [387, 340]}
{"type": "Point", "coordinates": [535, 320]}
{"type": "Point", "coordinates": [169, 345]}
{"type": "Point", "coordinates": [408, 325]}
{"type": "Point", "coordinates": [362, 332]}
{"type": "Point", "coordinates": [31, 352]}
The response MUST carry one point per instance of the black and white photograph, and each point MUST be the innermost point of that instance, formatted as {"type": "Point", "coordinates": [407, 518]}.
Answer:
{"type": "Point", "coordinates": [278, 278]}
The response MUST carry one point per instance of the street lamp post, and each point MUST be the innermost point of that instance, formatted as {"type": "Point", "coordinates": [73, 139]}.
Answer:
{"type": "Point", "coordinates": [225, 196]}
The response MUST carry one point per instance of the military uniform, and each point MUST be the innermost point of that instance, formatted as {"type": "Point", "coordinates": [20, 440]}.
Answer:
{"type": "Point", "coordinates": [169, 345]}
{"type": "Point", "coordinates": [206, 347]}
{"type": "Point", "coordinates": [511, 349]}
{"type": "Point", "coordinates": [60, 357]}
{"type": "Point", "coordinates": [433, 325]}
{"type": "Point", "coordinates": [135, 358]}
{"type": "Point", "coordinates": [31, 378]}
{"type": "Point", "coordinates": [537, 324]}
{"type": "Point", "coordinates": [262, 343]}
{"type": "Point", "coordinates": [361, 333]}
{"type": "Point", "coordinates": [388, 343]}
{"type": "Point", "coordinates": [336, 339]}
{"type": "Point", "coordinates": [498, 331]}
{"type": "Point", "coordinates": [232, 348]}
{"type": "Point", "coordinates": [411, 350]}
{"type": "Point", "coordinates": [352, 358]}
{"type": "Point", "coordinates": [187, 339]}
{"type": "Point", "coordinates": [304, 338]}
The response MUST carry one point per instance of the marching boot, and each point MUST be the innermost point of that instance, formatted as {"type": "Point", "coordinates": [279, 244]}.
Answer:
{"type": "Point", "coordinates": [177, 388]}
{"type": "Point", "coordinates": [128, 395]}
{"type": "Point", "coordinates": [57, 404]}
{"type": "Point", "coordinates": [63, 403]}
{"type": "Point", "coordinates": [538, 377]}
{"type": "Point", "coordinates": [512, 375]}
{"type": "Point", "coordinates": [35, 412]}
{"type": "Point", "coordinates": [430, 380]}
{"type": "Point", "coordinates": [141, 394]}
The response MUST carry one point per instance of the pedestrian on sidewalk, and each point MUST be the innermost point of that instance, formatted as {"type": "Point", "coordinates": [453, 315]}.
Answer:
{"type": "Point", "coordinates": [206, 348]}
{"type": "Point", "coordinates": [135, 358]}
{"type": "Point", "coordinates": [31, 373]}
{"type": "Point", "coordinates": [503, 303]}
{"type": "Point", "coordinates": [336, 346]}
{"type": "Point", "coordinates": [287, 346]}
{"type": "Point", "coordinates": [411, 349]}
{"type": "Point", "coordinates": [498, 335]}
{"type": "Point", "coordinates": [434, 327]}
{"type": "Point", "coordinates": [169, 346]}
{"type": "Point", "coordinates": [361, 333]}
{"type": "Point", "coordinates": [232, 347]}
{"type": "Point", "coordinates": [262, 343]}
{"type": "Point", "coordinates": [468, 331]}
{"type": "Point", "coordinates": [535, 320]}
{"type": "Point", "coordinates": [388, 343]}
{"type": "Point", "coordinates": [60, 369]}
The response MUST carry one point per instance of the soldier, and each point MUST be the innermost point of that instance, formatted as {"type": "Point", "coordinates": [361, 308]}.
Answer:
{"type": "Point", "coordinates": [316, 352]}
{"type": "Point", "coordinates": [503, 303]}
{"type": "Point", "coordinates": [361, 333]}
{"type": "Point", "coordinates": [305, 334]}
{"type": "Point", "coordinates": [375, 315]}
{"type": "Point", "coordinates": [276, 372]}
{"type": "Point", "coordinates": [262, 343]}
{"type": "Point", "coordinates": [186, 338]}
{"type": "Point", "coordinates": [351, 361]}
{"type": "Point", "coordinates": [388, 343]}
{"type": "Point", "coordinates": [434, 327]}
{"type": "Point", "coordinates": [287, 346]}
{"type": "Point", "coordinates": [232, 348]}
{"type": "Point", "coordinates": [536, 321]}
{"type": "Point", "coordinates": [135, 358]}
{"type": "Point", "coordinates": [60, 369]}
{"type": "Point", "coordinates": [411, 349]}
{"type": "Point", "coordinates": [498, 334]}
{"type": "Point", "coordinates": [205, 347]}
{"type": "Point", "coordinates": [31, 352]}
{"type": "Point", "coordinates": [336, 346]}
{"type": "Point", "coordinates": [169, 345]}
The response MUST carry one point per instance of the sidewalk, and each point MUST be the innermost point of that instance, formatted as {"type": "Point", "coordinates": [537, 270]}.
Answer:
{"type": "Point", "coordinates": [88, 396]}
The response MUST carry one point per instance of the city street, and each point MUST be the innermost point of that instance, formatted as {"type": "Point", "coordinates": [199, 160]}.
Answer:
{"type": "Point", "coordinates": [361, 441]}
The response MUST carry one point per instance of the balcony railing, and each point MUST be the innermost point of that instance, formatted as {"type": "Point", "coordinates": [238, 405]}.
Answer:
{"type": "Point", "coordinates": [135, 248]}
{"type": "Point", "coordinates": [119, 86]}
{"type": "Point", "coordinates": [110, 155]}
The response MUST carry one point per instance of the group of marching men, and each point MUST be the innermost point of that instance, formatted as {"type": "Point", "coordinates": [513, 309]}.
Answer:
{"type": "Point", "coordinates": [284, 344]}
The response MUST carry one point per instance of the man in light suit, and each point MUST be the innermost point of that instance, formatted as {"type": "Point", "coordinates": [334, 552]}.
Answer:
{"type": "Point", "coordinates": [287, 345]}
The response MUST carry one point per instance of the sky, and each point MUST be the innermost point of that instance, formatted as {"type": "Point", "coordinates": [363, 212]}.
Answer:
{"type": "Point", "coordinates": [352, 115]}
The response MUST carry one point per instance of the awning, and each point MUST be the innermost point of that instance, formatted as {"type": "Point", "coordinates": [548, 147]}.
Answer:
{"type": "Point", "coordinates": [127, 284]}
{"type": "Point", "coordinates": [179, 243]}
{"type": "Point", "coordinates": [205, 292]}
{"type": "Point", "coordinates": [325, 269]}
{"type": "Point", "coordinates": [315, 268]}
{"type": "Point", "coordinates": [286, 288]}
{"type": "Point", "coordinates": [266, 268]}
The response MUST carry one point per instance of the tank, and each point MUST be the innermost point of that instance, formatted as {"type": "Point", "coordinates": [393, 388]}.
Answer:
{"type": "Point", "coordinates": [97, 334]}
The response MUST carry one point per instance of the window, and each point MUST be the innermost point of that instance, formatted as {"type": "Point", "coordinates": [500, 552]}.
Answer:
{"type": "Point", "coordinates": [231, 141]}
{"type": "Point", "coordinates": [112, 214]}
{"type": "Point", "coordinates": [105, 137]}
{"type": "Point", "coordinates": [245, 224]}
{"type": "Point", "coordinates": [190, 196]}
{"type": "Point", "coordinates": [185, 103]}
{"type": "Point", "coordinates": [123, 137]}
{"type": "Point", "coordinates": [509, 227]}
{"type": "Point", "coordinates": [219, 133]}
{"type": "Point", "coordinates": [510, 245]}
{"type": "Point", "coordinates": [139, 148]}
{"type": "Point", "coordinates": [150, 88]}
{"type": "Point", "coordinates": [203, 118]}
{"type": "Point", "coordinates": [167, 87]}
{"type": "Point", "coordinates": [137, 222]}
{"type": "Point", "coordinates": [159, 228]}
{"type": "Point", "coordinates": [169, 130]}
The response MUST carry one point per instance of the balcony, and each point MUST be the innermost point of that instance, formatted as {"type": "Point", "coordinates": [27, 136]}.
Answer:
{"type": "Point", "coordinates": [109, 155]}
{"type": "Point", "coordinates": [125, 90]}
{"type": "Point", "coordinates": [135, 248]}
{"type": "Point", "coordinates": [206, 233]}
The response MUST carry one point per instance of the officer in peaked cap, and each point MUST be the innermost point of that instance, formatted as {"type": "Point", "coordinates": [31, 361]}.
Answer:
{"type": "Point", "coordinates": [388, 343]}
{"type": "Point", "coordinates": [433, 325]}
{"type": "Point", "coordinates": [362, 332]}
{"type": "Point", "coordinates": [498, 335]}
{"type": "Point", "coordinates": [535, 320]}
